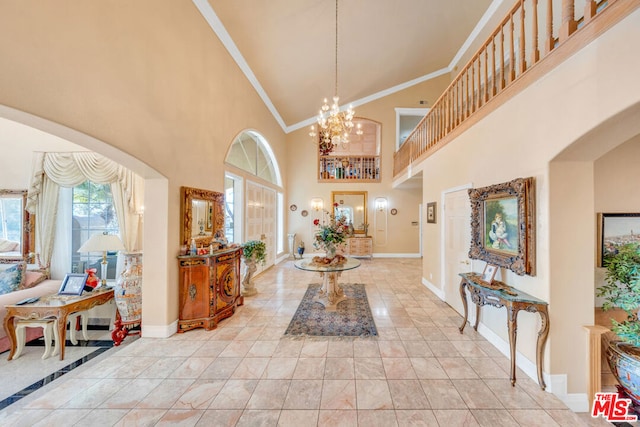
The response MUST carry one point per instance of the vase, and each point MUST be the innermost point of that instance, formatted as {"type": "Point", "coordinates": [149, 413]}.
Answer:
{"type": "Point", "coordinates": [128, 289]}
{"type": "Point", "coordinates": [624, 361]}
{"type": "Point", "coordinates": [330, 249]}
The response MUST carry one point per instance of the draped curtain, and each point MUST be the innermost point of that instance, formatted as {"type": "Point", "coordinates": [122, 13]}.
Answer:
{"type": "Point", "coordinates": [54, 170]}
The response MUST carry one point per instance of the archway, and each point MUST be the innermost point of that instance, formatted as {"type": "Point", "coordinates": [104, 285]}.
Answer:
{"type": "Point", "coordinates": [156, 215]}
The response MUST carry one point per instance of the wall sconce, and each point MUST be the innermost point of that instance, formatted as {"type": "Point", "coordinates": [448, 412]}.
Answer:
{"type": "Point", "coordinates": [317, 204]}
{"type": "Point", "coordinates": [381, 203]}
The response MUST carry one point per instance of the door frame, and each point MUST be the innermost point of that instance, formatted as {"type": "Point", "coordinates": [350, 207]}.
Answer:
{"type": "Point", "coordinates": [443, 233]}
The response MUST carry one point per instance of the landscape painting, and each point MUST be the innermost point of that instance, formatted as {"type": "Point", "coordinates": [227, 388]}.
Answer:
{"type": "Point", "coordinates": [615, 230]}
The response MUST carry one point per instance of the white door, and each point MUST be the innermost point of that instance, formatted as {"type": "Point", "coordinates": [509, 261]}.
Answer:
{"type": "Point", "coordinates": [457, 239]}
{"type": "Point", "coordinates": [260, 222]}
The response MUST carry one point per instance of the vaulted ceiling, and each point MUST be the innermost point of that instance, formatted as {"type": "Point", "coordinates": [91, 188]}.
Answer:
{"type": "Point", "coordinates": [287, 47]}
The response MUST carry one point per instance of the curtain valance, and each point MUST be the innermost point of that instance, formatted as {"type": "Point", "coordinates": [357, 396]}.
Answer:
{"type": "Point", "coordinates": [72, 169]}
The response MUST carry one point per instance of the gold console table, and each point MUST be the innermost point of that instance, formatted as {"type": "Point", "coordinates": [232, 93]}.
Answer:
{"type": "Point", "coordinates": [498, 294]}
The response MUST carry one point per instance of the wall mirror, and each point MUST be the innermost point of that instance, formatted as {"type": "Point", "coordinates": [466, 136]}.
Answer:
{"type": "Point", "coordinates": [353, 205]}
{"type": "Point", "coordinates": [202, 214]}
{"type": "Point", "coordinates": [17, 226]}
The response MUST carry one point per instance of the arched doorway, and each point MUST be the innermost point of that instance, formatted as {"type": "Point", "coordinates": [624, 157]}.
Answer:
{"type": "Point", "coordinates": [155, 246]}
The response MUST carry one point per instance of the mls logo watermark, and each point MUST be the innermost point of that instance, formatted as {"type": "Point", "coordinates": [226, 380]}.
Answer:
{"type": "Point", "coordinates": [612, 407]}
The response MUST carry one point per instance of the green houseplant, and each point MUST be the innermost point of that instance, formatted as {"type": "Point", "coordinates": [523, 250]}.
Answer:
{"type": "Point", "coordinates": [622, 290]}
{"type": "Point", "coordinates": [253, 252]}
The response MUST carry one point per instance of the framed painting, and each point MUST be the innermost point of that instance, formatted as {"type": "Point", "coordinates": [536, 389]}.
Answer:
{"type": "Point", "coordinates": [503, 225]}
{"type": "Point", "coordinates": [615, 230]}
{"type": "Point", "coordinates": [431, 212]}
{"type": "Point", "coordinates": [489, 273]}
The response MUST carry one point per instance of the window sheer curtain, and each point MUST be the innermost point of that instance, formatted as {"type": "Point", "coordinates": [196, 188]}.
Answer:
{"type": "Point", "coordinates": [54, 170]}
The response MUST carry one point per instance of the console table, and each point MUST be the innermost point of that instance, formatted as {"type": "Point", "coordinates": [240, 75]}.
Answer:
{"type": "Point", "coordinates": [55, 307]}
{"type": "Point", "coordinates": [499, 294]}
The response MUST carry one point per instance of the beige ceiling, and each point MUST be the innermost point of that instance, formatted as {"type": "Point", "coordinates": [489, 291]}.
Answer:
{"type": "Point", "coordinates": [289, 46]}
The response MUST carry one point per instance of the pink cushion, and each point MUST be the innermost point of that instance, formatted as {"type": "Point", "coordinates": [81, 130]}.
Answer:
{"type": "Point", "coordinates": [33, 278]}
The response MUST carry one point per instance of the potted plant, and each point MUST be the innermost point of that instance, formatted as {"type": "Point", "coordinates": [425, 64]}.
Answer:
{"type": "Point", "coordinates": [253, 252]}
{"type": "Point", "coordinates": [622, 290]}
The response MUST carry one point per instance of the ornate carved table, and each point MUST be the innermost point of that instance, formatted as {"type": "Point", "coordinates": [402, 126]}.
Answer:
{"type": "Point", "coordinates": [54, 306]}
{"type": "Point", "coordinates": [498, 294]}
{"type": "Point", "coordinates": [331, 293]}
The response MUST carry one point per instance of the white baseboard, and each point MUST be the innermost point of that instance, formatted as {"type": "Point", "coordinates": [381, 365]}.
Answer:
{"type": "Point", "coordinates": [439, 292]}
{"type": "Point", "coordinates": [577, 402]}
{"type": "Point", "coordinates": [282, 258]}
{"type": "Point", "coordinates": [159, 331]}
{"type": "Point", "coordinates": [392, 255]}
{"type": "Point", "coordinates": [556, 384]}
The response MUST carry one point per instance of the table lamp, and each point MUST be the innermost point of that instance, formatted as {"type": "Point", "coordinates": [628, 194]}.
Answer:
{"type": "Point", "coordinates": [103, 242]}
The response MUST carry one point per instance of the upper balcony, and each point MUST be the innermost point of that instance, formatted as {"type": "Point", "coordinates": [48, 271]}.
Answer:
{"type": "Point", "coordinates": [533, 38]}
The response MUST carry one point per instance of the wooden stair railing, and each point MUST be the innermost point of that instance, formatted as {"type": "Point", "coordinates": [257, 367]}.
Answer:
{"type": "Point", "coordinates": [510, 53]}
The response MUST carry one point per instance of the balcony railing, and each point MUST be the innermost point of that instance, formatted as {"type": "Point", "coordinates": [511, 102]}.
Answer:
{"type": "Point", "coordinates": [523, 38]}
{"type": "Point", "coordinates": [349, 168]}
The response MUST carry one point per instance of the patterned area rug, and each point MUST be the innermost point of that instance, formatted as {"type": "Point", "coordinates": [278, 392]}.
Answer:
{"type": "Point", "coordinates": [351, 319]}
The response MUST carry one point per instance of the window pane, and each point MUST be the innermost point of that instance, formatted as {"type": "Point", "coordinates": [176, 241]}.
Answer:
{"type": "Point", "coordinates": [93, 212]}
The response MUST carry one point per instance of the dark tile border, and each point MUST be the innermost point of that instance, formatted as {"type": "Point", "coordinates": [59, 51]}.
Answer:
{"type": "Point", "coordinates": [100, 345]}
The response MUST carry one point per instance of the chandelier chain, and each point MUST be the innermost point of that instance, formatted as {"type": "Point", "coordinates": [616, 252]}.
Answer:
{"type": "Point", "coordinates": [336, 92]}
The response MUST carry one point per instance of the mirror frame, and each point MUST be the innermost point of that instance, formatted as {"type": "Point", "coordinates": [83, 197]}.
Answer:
{"type": "Point", "coordinates": [353, 193]}
{"type": "Point", "coordinates": [28, 234]}
{"type": "Point", "coordinates": [217, 220]}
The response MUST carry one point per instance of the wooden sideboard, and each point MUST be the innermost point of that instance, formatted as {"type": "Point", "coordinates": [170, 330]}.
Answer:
{"type": "Point", "coordinates": [360, 246]}
{"type": "Point", "coordinates": [209, 288]}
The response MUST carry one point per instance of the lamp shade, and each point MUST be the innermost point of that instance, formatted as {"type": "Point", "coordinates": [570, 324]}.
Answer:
{"type": "Point", "coordinates": [102, 243]}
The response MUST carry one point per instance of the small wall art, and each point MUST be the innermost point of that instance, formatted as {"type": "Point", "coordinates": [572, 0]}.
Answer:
{"type": "Point", "coordinates": [431, 212]}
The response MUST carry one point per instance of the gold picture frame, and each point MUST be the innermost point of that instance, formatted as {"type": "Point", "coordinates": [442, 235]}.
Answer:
{"type": "Point", "coordinates": [503, 225]}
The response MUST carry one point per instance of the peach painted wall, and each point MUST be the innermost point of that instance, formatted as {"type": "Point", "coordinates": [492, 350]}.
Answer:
{"type": "Point", "coordinates": [149, 81]}
{"type": "Point", "coordinates": [586, 106]}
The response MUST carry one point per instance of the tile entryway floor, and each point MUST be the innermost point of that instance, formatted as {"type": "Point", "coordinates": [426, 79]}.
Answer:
{"type": "Point", "coordinates": [419, 371]}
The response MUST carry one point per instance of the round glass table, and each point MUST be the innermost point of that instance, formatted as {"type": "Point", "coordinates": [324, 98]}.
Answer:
{"type": "Point", "coordinates": [331, 293]}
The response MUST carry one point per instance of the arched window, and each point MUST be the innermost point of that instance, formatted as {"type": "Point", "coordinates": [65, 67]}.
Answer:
{"type": "Point", "coordinates": [253, 207]}
{"type": "Point", "coordinates": [251, 152]}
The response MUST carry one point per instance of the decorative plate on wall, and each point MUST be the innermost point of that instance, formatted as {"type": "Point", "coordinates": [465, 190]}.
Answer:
{"type": "Point", "coordinates": [304, 213]}
{"type": "Point", "coordinates": [292, 208]}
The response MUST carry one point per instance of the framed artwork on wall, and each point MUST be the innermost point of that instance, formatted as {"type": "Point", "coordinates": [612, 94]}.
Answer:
{"type": "Point", "coordinates": [431, 212]}
{"type": "Point", "coordinates": [615, 230]}
{"type": "Point", "coordinates": [503, 225]}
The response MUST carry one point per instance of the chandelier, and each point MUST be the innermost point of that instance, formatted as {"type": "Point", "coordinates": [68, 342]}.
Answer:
{"type": "Point", "coordinates": [334, 126]}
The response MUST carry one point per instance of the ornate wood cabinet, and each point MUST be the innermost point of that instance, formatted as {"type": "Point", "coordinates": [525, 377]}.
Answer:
{"type": "Point", "coordinates": [209, 288]}
{"type": "Point", "coordinates": [360, 246]}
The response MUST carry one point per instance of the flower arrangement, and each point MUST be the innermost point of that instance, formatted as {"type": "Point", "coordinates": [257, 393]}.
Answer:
{"type": "Point", "coordinates": [332, 233]}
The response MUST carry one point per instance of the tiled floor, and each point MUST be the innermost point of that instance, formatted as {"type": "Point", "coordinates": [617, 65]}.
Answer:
{"type": "Point", "coordinates": [419, 371]}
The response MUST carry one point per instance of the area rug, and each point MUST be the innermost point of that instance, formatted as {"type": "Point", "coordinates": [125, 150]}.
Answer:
{"type": "Point", "coordinates": [352, 317]}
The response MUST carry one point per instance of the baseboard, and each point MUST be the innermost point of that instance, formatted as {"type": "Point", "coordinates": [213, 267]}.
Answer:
{"type": "Point", "coordinates": [522, 362]}
{"type": "Point", "coordinates": [159, 331]}
{"type": "Point", "coordinates": [577, 402]}
{"type": "Point", "coordinates": [392, 255]}
{"type": "Point", "coordinates": [439, 292]}
{"type": "Point", "coordinates": [282, 258]}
